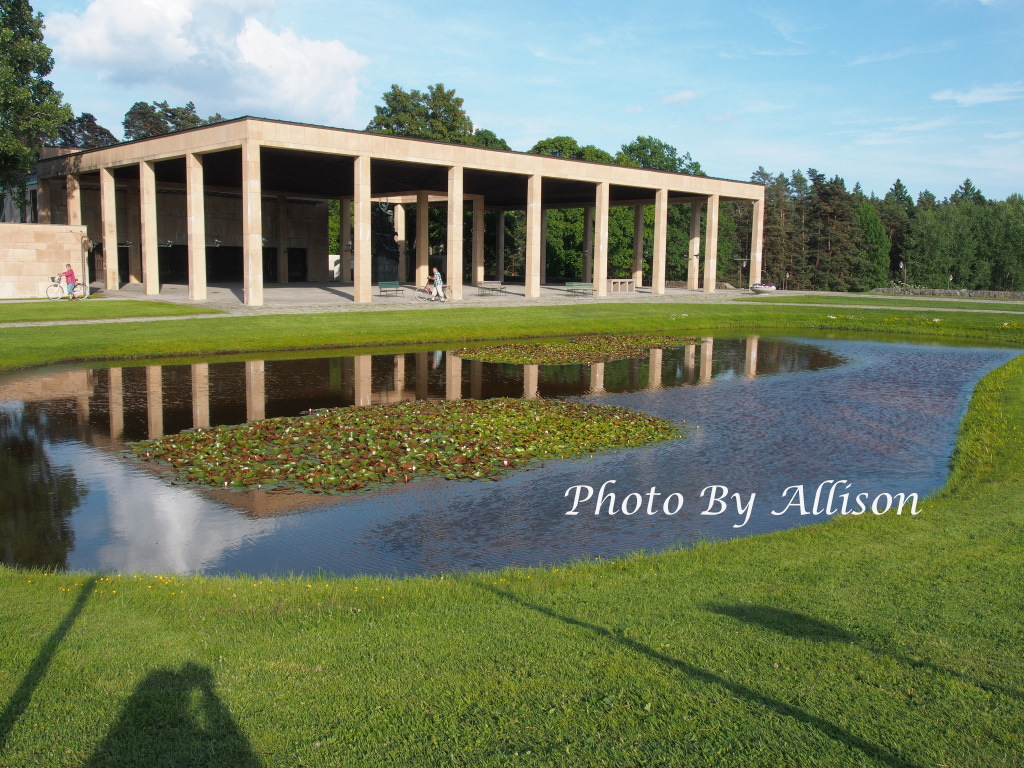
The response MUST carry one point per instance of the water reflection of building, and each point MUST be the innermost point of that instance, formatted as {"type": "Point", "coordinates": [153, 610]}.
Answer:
{"type": "Point", "coordinates": [108, 407]}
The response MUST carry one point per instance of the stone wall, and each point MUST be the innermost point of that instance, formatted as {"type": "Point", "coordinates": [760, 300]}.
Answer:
{"type": "Point", "coordinates": [952, 293]}
{"type": "Point", "coordinates": [31, 254]}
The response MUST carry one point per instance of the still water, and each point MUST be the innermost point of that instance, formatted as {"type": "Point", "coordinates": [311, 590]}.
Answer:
{"type": "Point", "coordinates": [763, 415]}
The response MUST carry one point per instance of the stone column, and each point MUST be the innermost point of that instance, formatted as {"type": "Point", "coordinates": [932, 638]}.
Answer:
{"type": "Point", "coordinates": [200, 395]}
{"type": "Point", "coordinates": [108, 219]}
{"type": "Point", "coordinates": [453, 276]}
{"type": "Point", "coordinates": [282, 239]}
{"type": "Point", "coordinates": [74, 214]}
{"type": "Point", "coordinates": [543, 246]}
{"type": "Point", "coordinates": [531, 381]}
{"type": "Point", "coordinates": [403, 244]}
{"type": "Point", "coordinates": [43, 201]}
{"type": "Point", "coordinates": [707, 353]}
{"type": "Point", "coordinates": [195, 210]}
{"type": "Point", "coordinates": [499, 244]}
{"type": "Point", "coordinates": [154, 401]}
{"type": "Point", "coordinates": [690, 361]}
{"type": "Point", "coordinates": [588, 244]}
{"type": "Point", "coordinates": [693, 270]}
{"type": "Point", "coordinates": [452, 376]}
{"type": "Point", "coordinates": [711, 253]}
{"type": "Point", "coordinates": [478, 241]}
{"type": "Point", "coordinates": [345, 240]}
{"type": "Point", "coordinates": [362, 232]}
{"type": "Point", "coordinates": [534, 214]}
{"type": "Point", "coordinates": [134, 208]}
{"type": "Point", "coordinates": [399, 378]}
{"type": "Point", "coordinates": [660, 252]}
{"type": "Point", "coordinates": [756, 242]}
{"type": "Point", "coordinates": [654, 368]}
{"type": "Point", "coordinates": [115, 399]}
{"type": "Point", "coordinates": [363, 376]}
{"type": "Point", "coordinates": [601, 244]}
{"type": "Point", "coordinates": [750, 359]}
{"type": "Point", "coordinates": [255, 390]}
{"type": "Point", "coordinates": [147, 229]}
{"type": "Point", "coordinates": [422, 239]}
{"type": "Point", "coordinates": [638, 245]}
{"type": "Point", "coordinates": [252, 225]}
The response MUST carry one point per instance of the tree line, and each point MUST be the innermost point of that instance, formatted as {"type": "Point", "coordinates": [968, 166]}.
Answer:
{"type": "Point", "coordinates": [818, 234]}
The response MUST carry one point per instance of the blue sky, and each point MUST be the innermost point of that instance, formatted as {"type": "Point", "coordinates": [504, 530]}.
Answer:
{"type": "Point", "coordinates": [928, 91]}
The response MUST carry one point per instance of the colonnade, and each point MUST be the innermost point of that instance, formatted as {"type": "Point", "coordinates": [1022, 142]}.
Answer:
{"type": "Point", "coordinates": [356, 260]}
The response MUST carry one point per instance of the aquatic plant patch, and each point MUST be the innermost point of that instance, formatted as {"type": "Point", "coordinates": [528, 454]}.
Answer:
{"type": "Point", "coordinates": [581, 349]}
{"type": "Point", "coordinates": [348, 449]}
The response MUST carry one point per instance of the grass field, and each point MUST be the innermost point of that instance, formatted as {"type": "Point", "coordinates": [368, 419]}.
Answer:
{"type": "Point", "coordinates": [867, 641]}
{"type": "Point", "coordinates": [90, 309]}
{"type": "Point", "coordinates": [875, 299]}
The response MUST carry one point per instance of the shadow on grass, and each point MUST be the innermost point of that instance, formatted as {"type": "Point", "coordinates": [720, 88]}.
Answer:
{"type": "Point", "coordinates": [20, 699]}
{"type": "Point", "coordinates": [175, 718]}
{"type": "Point", "coordinates": [735, 689]}
{"type": "Point", "coordinates": [803, 627]}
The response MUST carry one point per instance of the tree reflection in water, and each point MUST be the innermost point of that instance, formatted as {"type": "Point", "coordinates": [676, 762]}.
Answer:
{"type": "Point", "coordinates": [36, 498]}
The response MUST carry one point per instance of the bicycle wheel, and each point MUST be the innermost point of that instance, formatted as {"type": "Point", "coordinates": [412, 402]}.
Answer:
{"type": "Point", "coordinates": [54, 291]}
{"type": "Point", "coordinates": [422, 294]}
{"type": "Point", "coordinates": [80, 292]}
{"type": "Point", "coordinates": [448, 293]}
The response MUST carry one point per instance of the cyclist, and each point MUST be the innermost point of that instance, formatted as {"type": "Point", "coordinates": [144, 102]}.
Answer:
{"type": "Point", "coordinates": [438, 285]}
{"type": "Point", "coordinates": [69, 278]}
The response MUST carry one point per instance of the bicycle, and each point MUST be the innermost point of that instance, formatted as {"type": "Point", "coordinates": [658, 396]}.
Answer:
{"type": "Point", "coordinates": [425, 292]}
{"type": "Point", "coordinates": [58, 290]}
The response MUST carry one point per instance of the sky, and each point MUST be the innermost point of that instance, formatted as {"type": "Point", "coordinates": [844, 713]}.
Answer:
{"type": "Point", "coordinates": [927, 91]}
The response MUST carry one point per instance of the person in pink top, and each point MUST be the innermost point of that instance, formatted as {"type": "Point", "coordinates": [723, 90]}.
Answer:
{"type": "Point", "coordinates": [69, 278]}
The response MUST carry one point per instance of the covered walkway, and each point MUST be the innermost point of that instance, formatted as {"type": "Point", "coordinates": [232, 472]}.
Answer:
{"type": "Point", "coordinates": [253, 193]}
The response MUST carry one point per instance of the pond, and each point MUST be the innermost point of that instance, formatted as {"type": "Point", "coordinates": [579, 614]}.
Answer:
{"type": "Point", "coordinates": [767, 419]}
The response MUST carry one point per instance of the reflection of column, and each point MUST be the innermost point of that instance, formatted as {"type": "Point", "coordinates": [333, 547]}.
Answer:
{"type": "Point", "coordinates": [690, 361]}
{"type": "Point", "coordinates": [82, 401]}
{"type": "Point", "coordinates": [200, 395]}
{"type": "Point", "coordinates": [399, 377]}
{"type": "Point", "coordinates": [155, 400]}
{"type": "Point", "coordinates": [452, 376]}
{"type": "Point", "coordinates": [115, 398]}
{"type": "Point", "coordinates": [255, 390]}
{"type": "Point", "coordinates": [531, 380]}
{"type": "Point", "coordinates": [707, 350]}
{"type": "Point", "coordinates": [422, 375]}
{"type": "Point", "coordinates": [596, 378]}
{"type": "Point", "coordinates": [363, 379]}
{"type": "Point", "coordinates": [654, 374]}
{"type": "Point", "coordinates": [476, 379]}
{"type": "Point", "coordinates": [693, 270]}
{"type": "Point", "coordinates": [750, 364]}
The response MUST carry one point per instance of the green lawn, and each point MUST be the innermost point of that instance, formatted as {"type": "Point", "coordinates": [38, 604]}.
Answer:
{"type": "Point", "coordinates": [91, 309]}
{"type": "Point", "coordinates": [875, 299]}
{"type": "Point", "coordinates": [867, 641]}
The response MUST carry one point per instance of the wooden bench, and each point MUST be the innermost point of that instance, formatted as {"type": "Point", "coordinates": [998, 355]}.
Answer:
{"type": "Point", "coordinates": [390, 288]}
{"type": "Point", "coordinates": [491, 287]}
{"type": "Point", "coordinates": [579, 289]}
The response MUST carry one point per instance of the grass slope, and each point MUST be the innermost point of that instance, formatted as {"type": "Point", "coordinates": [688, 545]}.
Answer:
{"type": "Point", "coordinates": [880, 641]}
{"type": "Point", "coordinates": [875, 299]}
{"type": "Point", "coordinates": [70, 311]}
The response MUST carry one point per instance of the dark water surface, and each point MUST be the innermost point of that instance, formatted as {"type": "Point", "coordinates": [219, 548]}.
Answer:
{"type": "Point", "coordinates": [764, 414]}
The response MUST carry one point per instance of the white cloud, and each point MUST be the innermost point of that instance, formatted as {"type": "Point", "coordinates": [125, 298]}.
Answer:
{"type": "Point", "coordinates": [985, 94]}
{"type": "Point", "coordinates": [680, 97]}
{"type": "Point", "coordinates": [634, 110]}
{"type": "Point", "coordinates": [217, 53]}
